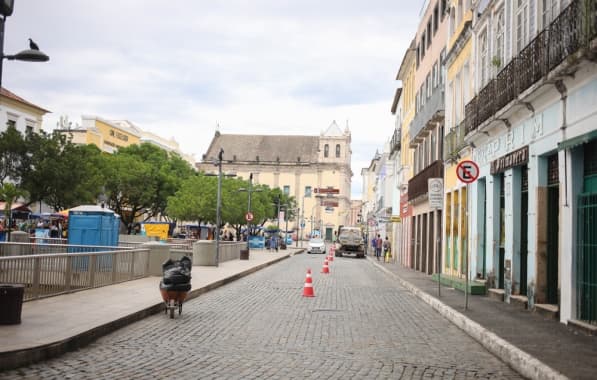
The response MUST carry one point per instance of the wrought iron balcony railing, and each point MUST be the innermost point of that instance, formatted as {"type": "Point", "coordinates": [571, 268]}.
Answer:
{"type": "Point", "coordinates": [418, 186]}
{"type": "Point", "coordinates": [454, 142]}
{"type": "Point", "coordinates": [432, 112]}
{"type": "Point", "coordinates": [395, 142]}
{"type": "Point", "coordinates": [575, 27]}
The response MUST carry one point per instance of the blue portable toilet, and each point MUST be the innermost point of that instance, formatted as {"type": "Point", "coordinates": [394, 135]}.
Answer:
{"type": "Point", "coordinates": [93, 225]}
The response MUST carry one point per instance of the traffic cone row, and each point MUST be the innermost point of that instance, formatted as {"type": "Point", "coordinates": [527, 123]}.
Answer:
{"type": "Point", "coordinates": [308, 289]}
{"type": "Point", "coordinates": [326, 268]}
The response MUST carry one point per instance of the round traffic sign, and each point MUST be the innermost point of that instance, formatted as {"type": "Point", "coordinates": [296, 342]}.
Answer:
{"type": "Point", "coordinates": [249, 216]}
{"type": "Point", "coordinates": [467, 171]}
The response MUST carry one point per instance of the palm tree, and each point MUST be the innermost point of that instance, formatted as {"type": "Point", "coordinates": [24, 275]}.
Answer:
{"type": "Point", "coordinates": [10, 193]}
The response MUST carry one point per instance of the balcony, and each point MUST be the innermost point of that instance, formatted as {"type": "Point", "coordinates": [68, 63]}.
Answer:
{"type": "Point", "coordinates": [426, 118]}
{"type": "Point", "coordinates": [575, 27]}
{"type": "Point", "coordinates": [418, 186]}
{"type": "Point", "coordinates": [395, 141]}
{"type": "Point", "coordinates": [454, 142]}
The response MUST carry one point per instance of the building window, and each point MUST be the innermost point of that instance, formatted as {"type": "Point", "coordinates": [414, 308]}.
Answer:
{"type": "Point", "coordinates": [549, 11]}
{"type": "Point", "coordinates": [522, 24]}
{"type": "Point", "coordinates": [483, 57]}
{"type": "Point", "coordinates": [499, 39]}
{"type": "Point", "coordinates": [308, 191]}
{"type": "Point", "coordinates": [428, 84]}
{"type": "Point", "coordinates": [423, 39]}
{"type": "Point", "coordinates": [11, 123]}
{"type": "Point", "coordinates": [435, 18]}
{"type": "Point", "coordinates": [444, 7]}
{"type": "Point", "coordinates": [337, 150]}
{"type": "Point", "coordinates": [442, 63]}
{"type": "Point", "coordinates": [435, 75]}
{"type": "Point", "coordinates": [286, 190]}
{"type": "Point", "coordinates": [28, 129]}
{"type": "Point", "coordinates": [429, 34]}
{"type": "Point", "coordinates": [326, 150]}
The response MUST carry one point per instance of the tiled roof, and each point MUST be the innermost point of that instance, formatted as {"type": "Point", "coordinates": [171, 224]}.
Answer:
{"type": "Point", "coordinates": [269, 148]}
{"type": "Point", "coordinates": [4, 92]}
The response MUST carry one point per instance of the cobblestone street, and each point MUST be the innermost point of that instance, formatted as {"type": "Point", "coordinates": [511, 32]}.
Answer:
{"type": "Point", "coordinates": [361, 324]}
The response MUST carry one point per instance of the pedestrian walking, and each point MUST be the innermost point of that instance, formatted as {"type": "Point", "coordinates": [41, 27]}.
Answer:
{"type": "Point", "coordinates": [387, 249]}
{"type": "Point", "coordinates": [378, 247]}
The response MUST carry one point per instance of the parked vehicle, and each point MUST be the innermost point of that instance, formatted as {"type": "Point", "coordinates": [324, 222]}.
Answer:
{"type": "Point", "coordinates": [316, 245]}
{"type": "Point", "coordinates": [350, 240]}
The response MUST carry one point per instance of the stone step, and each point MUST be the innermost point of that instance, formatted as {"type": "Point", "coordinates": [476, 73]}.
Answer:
{"type": "Point", "coordinates": [496, 294]}
{"type": "Point", "coordinates": [474, 287]}
{"type": "Point", "coordinates": [547, 310]}
{"type": "Point", "coordinates": [519, 301]}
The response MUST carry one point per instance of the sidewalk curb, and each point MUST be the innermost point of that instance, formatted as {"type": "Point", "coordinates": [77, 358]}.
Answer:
{"type": "Point", "coordinates": [525, 364]}
{"type": "Point", "coordinates": [14, 359]}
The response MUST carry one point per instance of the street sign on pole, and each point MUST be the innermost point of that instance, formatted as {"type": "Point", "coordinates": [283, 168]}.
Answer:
{"type": "Point", "coordinates": [327, 190]}
{"type": "Point", "coordinates": [249, 216]}
{"type": "Point", "coordinates": [436, 193]}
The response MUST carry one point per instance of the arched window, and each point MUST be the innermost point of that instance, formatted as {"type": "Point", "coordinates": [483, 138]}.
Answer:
{"type": "Point", "coordinates": [326, 150]}
{"type": "Point", "coordinates": [337, 150]}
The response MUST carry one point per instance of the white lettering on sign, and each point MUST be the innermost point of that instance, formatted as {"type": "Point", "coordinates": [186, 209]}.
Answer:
{"type": "Point", "coordinates": [513, 139]}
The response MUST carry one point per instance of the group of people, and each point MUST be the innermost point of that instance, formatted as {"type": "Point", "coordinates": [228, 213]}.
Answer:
{"type": "Point", "coordinates": [378, 244]}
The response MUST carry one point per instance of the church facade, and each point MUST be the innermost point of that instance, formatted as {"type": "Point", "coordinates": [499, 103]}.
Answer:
{"type": "Point", "coordinates": [297, 165]}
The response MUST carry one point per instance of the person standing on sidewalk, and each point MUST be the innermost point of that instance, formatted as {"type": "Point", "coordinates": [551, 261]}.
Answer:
{"type": "Point", "coordinates": [378, 246]}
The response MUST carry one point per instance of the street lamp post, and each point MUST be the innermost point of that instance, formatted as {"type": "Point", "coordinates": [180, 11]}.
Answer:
{"type": "Point", "coordinates": [30, 55]}
{"type": "Point", "coordinates": [219, 205]}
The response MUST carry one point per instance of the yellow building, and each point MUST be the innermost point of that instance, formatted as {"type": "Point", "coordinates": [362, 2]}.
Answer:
{"type": "Point", "coordinates": [406, 74]}
{"type": "Point", "coordinates": [459, 91]}
{"type": "Point", "coordinates": [105, 134]}
{"type": "Point", "coordinates": [298, 165]}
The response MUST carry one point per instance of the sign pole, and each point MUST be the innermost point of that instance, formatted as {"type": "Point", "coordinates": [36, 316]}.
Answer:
{"type": "Point", "coordinates": [467, 251]}
{"type": "Point", "coordinates": [467, 171]}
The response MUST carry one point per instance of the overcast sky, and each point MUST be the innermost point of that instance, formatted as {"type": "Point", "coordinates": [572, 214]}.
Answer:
{"type": "Point", "coordinates": [180, 67]}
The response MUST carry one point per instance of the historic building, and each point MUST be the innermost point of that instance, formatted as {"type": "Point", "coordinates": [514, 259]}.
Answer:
{"type": "Point", "coordinates": [532, 125]}
{"type": "Point", "coordinates": [109, 135]}
{"type": "Point", "coordinates": [20, 113]}
{"type": "Point", "coordinates": [298, 165]}
{"type": "Point", "coordinates": [426, 133]}
{"type": "Point", "coordinates": [459, 90]}
{"type": "Point", "coordinates": [403, 108]}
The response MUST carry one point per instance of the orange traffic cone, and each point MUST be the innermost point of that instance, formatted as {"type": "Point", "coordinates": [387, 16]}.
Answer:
{"type": "Point", "coordinates": [331, 257]}
{"type": "Point", "coordinates": [326, 268]}
{"type": "Point", "coordinates": [308, 289]}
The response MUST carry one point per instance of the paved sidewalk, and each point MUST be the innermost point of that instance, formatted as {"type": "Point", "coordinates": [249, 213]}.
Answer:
{"type": "Point", "coordinates": [536, 347]}
{"type": "Point", "coordinates": [54, 325]}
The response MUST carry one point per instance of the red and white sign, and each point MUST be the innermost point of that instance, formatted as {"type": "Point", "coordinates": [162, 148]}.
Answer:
{"type": "Point", "coordinates": [467, 171]}
{"type": "Point", "coordinates": [327, 190]}
{"type": "Point", "coordinates": [249, 216]}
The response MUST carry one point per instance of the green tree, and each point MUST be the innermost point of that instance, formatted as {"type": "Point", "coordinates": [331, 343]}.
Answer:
{"type": "Point", "coordinates": [129, 187]}
{"type": "Point", "coordinates": [195, 200]}
{"type": "Point", "coordinates": [60, 173]}
{"type": "Point", "coordinates": [166, 172]}
{"type": "Point", "coordinates": [10, 193]}
{"type": "Point", "coordinates": [12, 153]}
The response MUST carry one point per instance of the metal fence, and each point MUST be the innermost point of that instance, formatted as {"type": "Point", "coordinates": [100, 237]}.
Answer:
{"type": "Point", "coordinates": [41, 247]}
{"type": "Point", "coordinates": [56, 273]}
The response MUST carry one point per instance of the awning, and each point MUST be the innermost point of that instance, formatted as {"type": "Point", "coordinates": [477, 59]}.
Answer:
{"type": "Point", "coordinates": [16, 206]}
{"type": "Point", "coordinates": [576, 141]}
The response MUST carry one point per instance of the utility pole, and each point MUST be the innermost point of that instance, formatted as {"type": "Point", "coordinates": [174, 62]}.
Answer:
{"type": "Point", "coordinates": [219, 205]}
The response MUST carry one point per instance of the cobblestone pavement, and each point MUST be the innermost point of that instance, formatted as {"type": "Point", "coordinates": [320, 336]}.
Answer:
{"type": "Point", "coordinates": [361, 324]}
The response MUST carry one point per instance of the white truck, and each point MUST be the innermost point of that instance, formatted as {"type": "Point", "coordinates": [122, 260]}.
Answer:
{"type": "Point", "coordinates": [350, 240]}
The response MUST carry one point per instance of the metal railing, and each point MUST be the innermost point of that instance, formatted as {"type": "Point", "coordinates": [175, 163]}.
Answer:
{"type": "Point", "coordinates": [575, 27]}
{"type": "Point", "coordinates": [418, 184]}
{"type": "Point", "coordinates": [47, 275]}
{"type": "Point", "coordinates": [454, 142]}
{"type": "Point", "coordinates": [41, 248]}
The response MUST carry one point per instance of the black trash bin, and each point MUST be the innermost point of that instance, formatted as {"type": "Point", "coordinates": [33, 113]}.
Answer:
{"type": "Point", "coordinates": [11, 303]}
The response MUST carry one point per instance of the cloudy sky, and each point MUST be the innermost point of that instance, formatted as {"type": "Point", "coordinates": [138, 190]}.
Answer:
{"type": "Point", "coordinates": [178, 68]}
